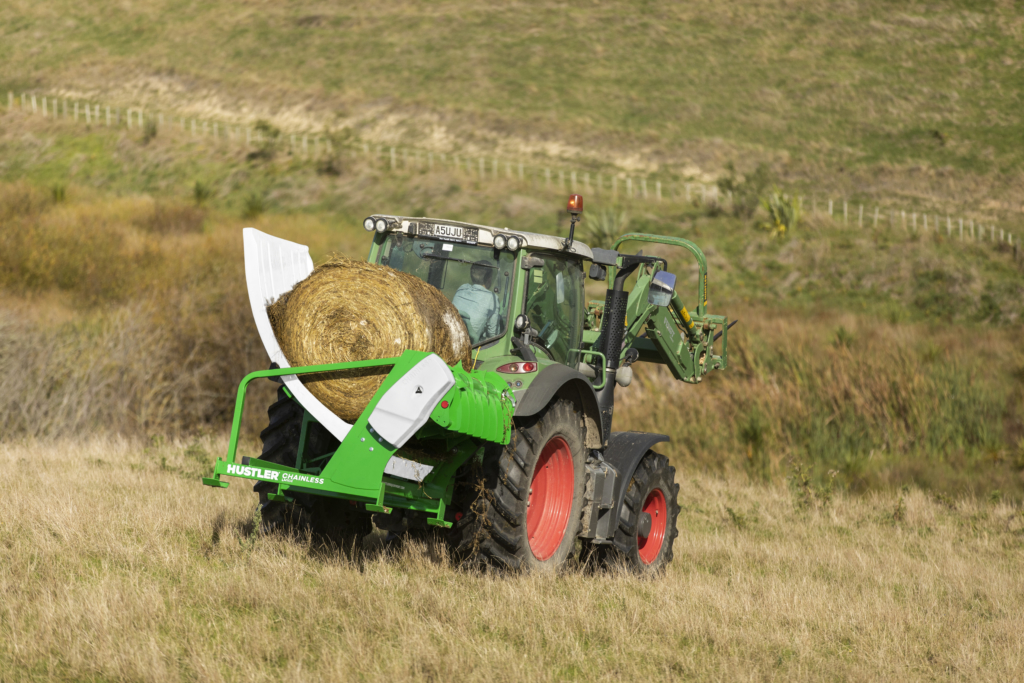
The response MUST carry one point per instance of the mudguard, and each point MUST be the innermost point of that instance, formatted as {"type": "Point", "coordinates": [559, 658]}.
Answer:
{"type": "Point", "coordinates": [624, 452]}
{"type": "Point", "coordinates": [563, 381]}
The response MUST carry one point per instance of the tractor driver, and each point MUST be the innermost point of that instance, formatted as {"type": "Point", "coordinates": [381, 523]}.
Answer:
{"type": "Point", "coordinates": [477, 304]}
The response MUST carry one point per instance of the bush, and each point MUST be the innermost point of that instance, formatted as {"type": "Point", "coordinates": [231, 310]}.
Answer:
{"type": "Point", "coordinates": [604, 227]}
{"type": "Point", "coordinates": [148, 131]}
{"type": "Point", "coordinates": [170, 219]}
{"type": "Point", "coordinates": [201, 192]}
{"type": "Point", "coordinates": [746, 192]}
{"type": "Point", "coordinates": [783, 213]}
{"type": "Point", "coordinates": [254, 206]}
{"type": "Point", "coordinates": [268, 136]}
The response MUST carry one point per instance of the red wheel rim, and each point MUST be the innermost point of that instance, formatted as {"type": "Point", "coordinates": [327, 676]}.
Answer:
{"type": "Point", "coordinates": [650, 546]}
{"type": "Point", "coordinates": [551, 489]}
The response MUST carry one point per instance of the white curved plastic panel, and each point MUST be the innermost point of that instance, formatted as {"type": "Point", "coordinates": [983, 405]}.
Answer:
{"type": "Point", "coordinates": [272, 267]}
{"type": "Point", "coordinates": [407, 405]}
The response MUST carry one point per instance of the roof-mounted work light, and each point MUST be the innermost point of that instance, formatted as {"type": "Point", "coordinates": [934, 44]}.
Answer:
{"type": "Point", "coordinates": [368, 224]}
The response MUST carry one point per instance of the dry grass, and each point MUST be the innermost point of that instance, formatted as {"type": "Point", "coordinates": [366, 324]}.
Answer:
{"type": "Point", "coordinates": [115, 563]}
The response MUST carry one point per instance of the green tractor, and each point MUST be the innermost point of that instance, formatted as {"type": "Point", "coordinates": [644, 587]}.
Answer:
{"type": "Point", "coordinates": [513, 462]}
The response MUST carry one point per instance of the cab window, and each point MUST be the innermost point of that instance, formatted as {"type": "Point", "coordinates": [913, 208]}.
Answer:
{"type": "Point", "coordinates": [554, 304]}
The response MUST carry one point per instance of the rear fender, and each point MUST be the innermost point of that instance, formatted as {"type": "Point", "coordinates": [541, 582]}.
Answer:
{"type": "Point", "coordinates": [625, 451]}
{"type": "Point", "coordinates": [561, 381]}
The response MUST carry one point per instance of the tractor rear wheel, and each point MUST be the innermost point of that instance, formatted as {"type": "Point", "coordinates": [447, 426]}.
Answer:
{"type": "Point", "coordinates": [647, 520]}
{"type": "Point", "coordinates": [520, 507]}
{"type": "Point", "coordinates": [336, 521]}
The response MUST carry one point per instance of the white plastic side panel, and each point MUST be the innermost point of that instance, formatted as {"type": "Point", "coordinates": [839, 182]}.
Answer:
{"type": "Point", "coordinates": [406, 406]}
{"type": "Point", "coordinates": [272, 267]}
{"type": "Point", "coordinates": [407, 469]}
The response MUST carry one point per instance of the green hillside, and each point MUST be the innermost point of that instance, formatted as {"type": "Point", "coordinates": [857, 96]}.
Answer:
{"type": "Point", "coordinates": [865, 99]}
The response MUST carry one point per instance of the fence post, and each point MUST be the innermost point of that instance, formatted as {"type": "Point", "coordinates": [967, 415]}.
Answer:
{"type": "Point", "coordinates": [961, 229]}
{"type": "Point", "coordinates": [657, 189]}
{"type": "Point", "coordinates": [34, 110]}
{"type": "Point", "coordinates": [844, 213]}
{"type": "Point", "coordinates": [643, 187]}
{"type": "Point", "coordinates": [876, 217]}
{"type": "Point", "coordinates": [88, 113]}
{"type": "Point", "coordinates": [925, 217]}
{"type": "Point", "coordinates": [860, 217]}
{"type": "Point", "coordinates": [972, 231]}
{"type": "Point", "coordinates": [547, 177]}
{"type": "Point", "coordinates": [830, 208]}
{"type": "Point", "coordinates": [629, 187]}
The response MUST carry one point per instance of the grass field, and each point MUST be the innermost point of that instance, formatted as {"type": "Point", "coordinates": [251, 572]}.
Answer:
{"type": "Point", "coordinates": [851, 487]}
{"type": "Point", "coordinates": [116, 565]}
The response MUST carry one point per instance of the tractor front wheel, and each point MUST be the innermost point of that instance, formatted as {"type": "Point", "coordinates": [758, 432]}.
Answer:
{"type": "Point", "coordinates": [647, 519]}
{"type": "Point", "coordinates": [520, 507]}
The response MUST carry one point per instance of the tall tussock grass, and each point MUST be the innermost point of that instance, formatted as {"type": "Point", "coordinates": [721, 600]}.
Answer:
{"type": "Point", "coordinates": [156, 333]}
{"type": "Point", "coordinates": [891, 403]}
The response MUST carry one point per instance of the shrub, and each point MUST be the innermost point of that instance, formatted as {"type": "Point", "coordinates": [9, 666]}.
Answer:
{"type": "Point", "coordinates": [746, 192]}
{"type": "Point", "coordinates": [783, 213]}
{"type": "Point", "coordinates": [604, 227]}
{"type": "Point", "coordinates": [201, 192]}
{"type": "Point", "coordinates": [170, 219]}
{"type": "Point", "coordinates": [268, 136]}
{"type": "Point", "coordinates": [148, 131]}
{"type": "Point", "coordinates": [255, 204]}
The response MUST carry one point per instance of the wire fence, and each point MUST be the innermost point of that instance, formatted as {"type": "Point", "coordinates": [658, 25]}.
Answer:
{"type": "Point", "coordinates": [617, 184]}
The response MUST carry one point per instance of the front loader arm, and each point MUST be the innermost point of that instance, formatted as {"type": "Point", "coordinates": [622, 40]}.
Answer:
{"type": "Point", "coordinates": [669, 334]}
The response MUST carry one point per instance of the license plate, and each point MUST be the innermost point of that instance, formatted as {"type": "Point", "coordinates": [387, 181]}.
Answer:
{"type": "Point", "coordinates": [450, 233]}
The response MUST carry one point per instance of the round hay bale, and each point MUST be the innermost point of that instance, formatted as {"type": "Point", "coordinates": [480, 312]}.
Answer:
{"type": "Point", "coordinates": [349, 310]}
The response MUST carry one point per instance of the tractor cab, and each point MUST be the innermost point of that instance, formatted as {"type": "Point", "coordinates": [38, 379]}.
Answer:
{"type": "Point", "coordinates": [520, 294]}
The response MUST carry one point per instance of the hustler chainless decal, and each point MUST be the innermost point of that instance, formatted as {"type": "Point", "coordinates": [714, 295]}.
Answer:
{"type": "Point", "coordinates": [272, 475]}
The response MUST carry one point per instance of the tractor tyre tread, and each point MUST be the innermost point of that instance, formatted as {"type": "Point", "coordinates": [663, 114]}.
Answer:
{"type": "Point", "coordinates": [492, 496]}
{"type": "Point", "coordinates": [338, 521]}
{"type": "Point", "coordinates": [653, 471]}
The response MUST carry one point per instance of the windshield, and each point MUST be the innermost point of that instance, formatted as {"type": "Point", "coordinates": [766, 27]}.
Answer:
{"type": "Point", "coordinates": [476, 279]}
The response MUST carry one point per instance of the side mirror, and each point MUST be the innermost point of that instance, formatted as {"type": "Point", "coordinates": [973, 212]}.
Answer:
{"type": "Point", "coordinates": [662, 288]}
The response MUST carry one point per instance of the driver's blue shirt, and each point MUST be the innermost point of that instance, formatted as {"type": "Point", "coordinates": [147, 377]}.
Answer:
{"type": "Point", "coordinates": [478, 307]}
